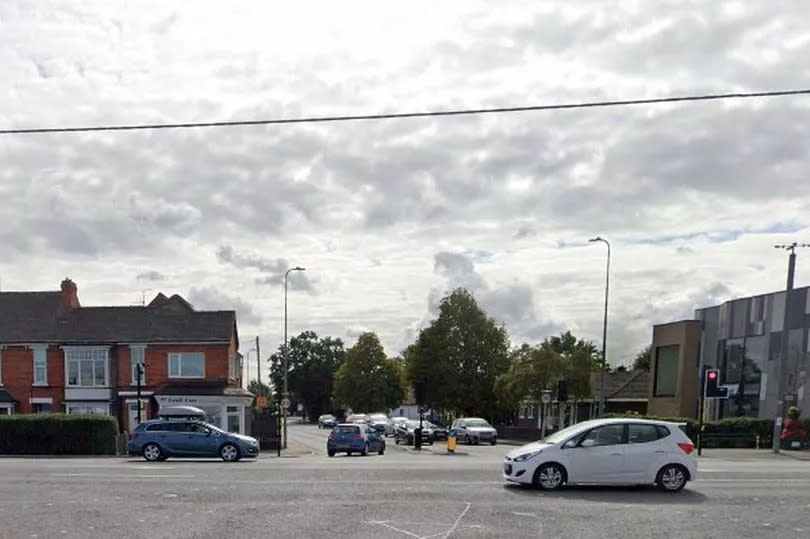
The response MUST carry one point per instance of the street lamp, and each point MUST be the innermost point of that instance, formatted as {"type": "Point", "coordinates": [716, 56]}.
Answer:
{"type": "Point", "coordinates": [604, 327]}
{"type": "Point", "coordinates": [286, 365]}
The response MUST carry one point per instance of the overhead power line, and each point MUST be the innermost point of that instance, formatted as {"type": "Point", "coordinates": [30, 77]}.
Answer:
{"type": "Point", "coordinates": [392, 116]}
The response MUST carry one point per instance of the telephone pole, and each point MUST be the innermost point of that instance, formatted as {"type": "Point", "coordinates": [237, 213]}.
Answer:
{"type": "Point", "coordinates": [258, 361]}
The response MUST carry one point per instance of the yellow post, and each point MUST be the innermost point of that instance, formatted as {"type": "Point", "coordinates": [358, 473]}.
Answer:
{"type": "Point", "coordinates": [451, 443]}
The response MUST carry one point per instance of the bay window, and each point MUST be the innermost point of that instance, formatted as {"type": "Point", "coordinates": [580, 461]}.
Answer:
{"type": "Point", "coordinates": [187, 365]}
{"type": "Point", "coordinates": [87, 367]}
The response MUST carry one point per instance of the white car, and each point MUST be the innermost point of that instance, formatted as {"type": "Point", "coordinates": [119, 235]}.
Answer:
{"type": "Point", "coordinates": [618, 451]}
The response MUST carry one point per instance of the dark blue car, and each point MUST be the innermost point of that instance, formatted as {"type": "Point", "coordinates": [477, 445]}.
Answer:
{"type": "Point", "coordinates": [159, 439]}
{"type": "Point", "coordinates": [354, 438]}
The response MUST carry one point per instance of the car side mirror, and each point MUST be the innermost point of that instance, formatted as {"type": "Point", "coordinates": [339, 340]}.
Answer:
{"type": "Point", "coordinates": [588, 443]}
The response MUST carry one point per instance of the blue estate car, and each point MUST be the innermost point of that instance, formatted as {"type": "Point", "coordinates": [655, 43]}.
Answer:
{"type": "Point", "coordinates": [354, 438]}
{"type": "Point", "coordinates": [159, 439]}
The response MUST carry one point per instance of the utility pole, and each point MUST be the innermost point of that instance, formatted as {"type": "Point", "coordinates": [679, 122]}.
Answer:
{"type": "Point", "coordinates": [785, 342]}
{"type": "Point", "coordinates": [258, 361]}
{"type": "Point", "coordinates": [286, 364]}
{"type": "Point", "coordinates": [603, 366]}
{"type": "Point", "coordinates": [139, 371]}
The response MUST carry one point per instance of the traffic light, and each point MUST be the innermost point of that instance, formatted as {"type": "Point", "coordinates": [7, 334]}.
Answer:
{"type": "Point", "coordinates": [562, 391]}
{"type": "Point", "coordinates": [711, 387]}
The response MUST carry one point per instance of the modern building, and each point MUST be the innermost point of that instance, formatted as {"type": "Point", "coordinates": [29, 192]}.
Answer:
{"type": "Point", "coordinates": [743, 339]}
{"type": "Point", "coordinates": [58, 356]}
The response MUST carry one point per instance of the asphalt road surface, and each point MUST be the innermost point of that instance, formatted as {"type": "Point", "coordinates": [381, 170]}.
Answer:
{"type": "Point", "coordinates": [400, 494]}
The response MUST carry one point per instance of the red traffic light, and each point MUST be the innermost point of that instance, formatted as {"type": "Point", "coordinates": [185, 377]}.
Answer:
{"type": "Point", "coordinates": [712, 375]}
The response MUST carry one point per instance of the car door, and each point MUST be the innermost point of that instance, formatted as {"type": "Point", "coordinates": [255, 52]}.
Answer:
{"type": "Point", "coordinates": [642, 451]}
{"type": "Point", "coordinates": [175, 437]}
{"type": "Point", "coordinates": [597, 456]}
{"type": "Point", "coordinates": [373, 438]}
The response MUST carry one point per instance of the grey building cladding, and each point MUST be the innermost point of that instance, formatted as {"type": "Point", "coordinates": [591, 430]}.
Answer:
{"type": "Point", "coordinates": [743, 338]}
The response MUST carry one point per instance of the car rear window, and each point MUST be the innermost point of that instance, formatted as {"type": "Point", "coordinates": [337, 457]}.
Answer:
{"type": "Point", "coordinates": [640, 434]}
{"type": "Point", "coordinates": [347, 430]}
{"type": "Point", "coordinates": [663, 432]}
{"type": "Point", "coordinates": [157, 427]}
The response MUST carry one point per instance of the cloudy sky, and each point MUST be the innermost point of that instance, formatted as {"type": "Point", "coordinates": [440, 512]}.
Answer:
{"type": "Point", "coordinates": [388, 216]}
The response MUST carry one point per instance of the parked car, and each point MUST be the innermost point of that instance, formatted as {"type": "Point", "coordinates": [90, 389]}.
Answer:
{"type": "Point", "coordinates": [158, 440]}
{"type": "Point", "coordinates": [406, 432]}
{"type": "Point", "coordinates": [607, 451]}
{"type": "Point", "coordinates": [354, 438]}
{"type": "Point", "coordinates": [439, 433]}
{"type": "Point", "coordinates": [327, 421]}
{"type": "Point", "coordinates": [378, 422]}
{"type": "Point", "coordinates": [393, 423]}
{"type": "Point", "coordinates": [357, 418]}
{"type": "Point", "coordinates": [472, 430]}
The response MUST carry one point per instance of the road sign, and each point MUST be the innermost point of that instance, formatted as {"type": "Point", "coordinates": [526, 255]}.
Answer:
{"type": "Point", "coordinates": [261, 402]}
{"type": "Point", "coordinates": [545, 396]}
{"type": "Point", "coordinates": [285, 402]}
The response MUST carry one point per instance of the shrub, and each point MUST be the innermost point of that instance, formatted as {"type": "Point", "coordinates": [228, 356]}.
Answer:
{"type": "Point", "coordinates": [57, 434]}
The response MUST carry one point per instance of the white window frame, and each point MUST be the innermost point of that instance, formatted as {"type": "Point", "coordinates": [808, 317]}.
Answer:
{"type": "Point", "coordinates": [7, 406]}
{"type": "Point", "coordinates": [71, 349]}
{"type": "Point", "coordinates": [69, 406]}
{"type": "Point", "coordinates": [40, 355]}
{"type": "Point", "coordinates": [137, 349]}
{"type": "Point", "coordinates": [179, 357]}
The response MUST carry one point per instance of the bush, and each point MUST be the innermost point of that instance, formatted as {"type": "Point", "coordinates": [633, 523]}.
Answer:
{"type": "Point", "coordinates": [57, 434]}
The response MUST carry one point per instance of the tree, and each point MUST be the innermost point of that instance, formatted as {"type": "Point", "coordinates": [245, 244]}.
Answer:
{"type": "Point", "coordinates": [367, 380]}
{"type": "Point", "coordinates": [455, 362]}
{"type": "Point", "coordinates": [581, 358]}
{"type": "Point", "coordinates": [312, 364]}
{"type": "Point", "coordinates": [532, 369]}
{"type": "Point", "coordinates": [259, 389]}
{"type": "Point", "coordinates": [643, 359]}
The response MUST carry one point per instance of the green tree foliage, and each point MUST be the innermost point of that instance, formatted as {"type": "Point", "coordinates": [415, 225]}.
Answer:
{"type": "Point", "coordinates": [580, 358]}
{"type": "Point", "coordinates": [260, 389]}
{"type": "Point", "coordinates": [368, 381]}
{"type": "Point", "coordinates": [313, 362]}
{"type": "Point", "coordinates": [454, 363]}
{"type": "Point", "coordinates": [643, 359]}
{"type": "Point", "coordinates": [532, 369]}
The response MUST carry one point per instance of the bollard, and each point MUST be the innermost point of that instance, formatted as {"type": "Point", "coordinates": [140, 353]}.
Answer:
{"type": "Point", "coordinates": [451, 442]}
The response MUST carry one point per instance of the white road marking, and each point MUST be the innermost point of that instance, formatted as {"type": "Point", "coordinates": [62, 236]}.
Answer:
{"type": "Point", "coordinates": [138, 476]}
{"type": "Point", "coordinates": [385, 524]}
{"type": "Point", "coordinates": [457, 521]}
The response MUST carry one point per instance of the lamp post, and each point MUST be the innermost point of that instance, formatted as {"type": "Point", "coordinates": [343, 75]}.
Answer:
{"type": "Point", "coordinates": [604, 327]}
{"type": "Point", "coordinates": [286, 365]}
{"type": "Point", "coordinates": [784, 360]}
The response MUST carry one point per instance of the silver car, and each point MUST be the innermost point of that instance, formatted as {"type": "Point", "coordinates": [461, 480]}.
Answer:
{"type": "Point", "coordinates": [393, 423]}
{"type": "Point", "coordinates": [473, 430]}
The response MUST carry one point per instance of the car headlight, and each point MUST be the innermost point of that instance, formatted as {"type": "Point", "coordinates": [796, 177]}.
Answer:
{"type": "Point", "coordinates": [527, 456]}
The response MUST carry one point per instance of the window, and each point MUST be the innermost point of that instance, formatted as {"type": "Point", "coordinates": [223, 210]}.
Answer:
{"type": "Point", "coordinates": [88, 409]}
{"type": "Point", "coordinates": [40, 366]}
{"type": "Point", "coordinates": [235, 367]}
{"type": "Point", "coordinates": [42, 408]}
{"type": "Point", "coordinates": [641, 434]}
{"type": "Point", "coordinates": [607, 435]}
{"type": "Point", "coordinates": [666, 371]}
{"type": "Point", "coordinates": [87, 367]}
{"type": "Point", "coordinates": [6, 409]}
{"type": "Point", "coordinates": [156, 427]}
{"type": "Point", "coordinates": [137, 357]}
{"type": "Point", "coordinates": [663, 432]}
{"type": "Point", "coordinates": [187, 365]}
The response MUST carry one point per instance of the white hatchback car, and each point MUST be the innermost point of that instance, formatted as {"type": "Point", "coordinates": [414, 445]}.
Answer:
{"type": "Point", "coordinates": [619, 451]}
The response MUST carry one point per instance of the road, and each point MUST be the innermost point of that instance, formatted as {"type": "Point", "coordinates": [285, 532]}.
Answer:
{"type": "Point", "coordinates": [400, 494]}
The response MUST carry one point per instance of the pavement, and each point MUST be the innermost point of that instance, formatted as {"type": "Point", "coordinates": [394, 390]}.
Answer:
{"type": "Point", "coordinates": [401, 494]}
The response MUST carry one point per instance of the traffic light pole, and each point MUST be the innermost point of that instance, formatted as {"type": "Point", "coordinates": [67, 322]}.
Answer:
{"type": "Point", "coordinates": [701, 412]}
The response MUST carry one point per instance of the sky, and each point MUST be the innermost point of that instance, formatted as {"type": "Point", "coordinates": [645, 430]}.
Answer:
{"type": "Point", "coordinates": [389, 216]}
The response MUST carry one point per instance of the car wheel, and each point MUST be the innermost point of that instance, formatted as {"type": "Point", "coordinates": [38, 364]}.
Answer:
{"type": "Point", "coordinates": [151, 452]}
{"type": "Point", "coordinates": [396, 439]}
{"type": "Point", "coordinates": [348, 453]}
{"type": "Point", "coordinates": [364, 452]}
{"type": "Point", "coordinates": [549, 476]}
{"type": "Point", "coordinates": [467, 439]}
{"type": "Point", "coordinates": [330, 453]}
{"type": "Point", "coordinates": [493, 442]}
{"type": "Point", "coordinates": [382, 450]}
{"type": "Point", "coordinates": [671, 478]}
{"type": "Point", "coordinates": [229, 453]}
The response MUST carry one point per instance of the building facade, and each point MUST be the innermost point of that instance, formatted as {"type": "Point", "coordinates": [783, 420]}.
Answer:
{"type": "Point", "coordinates": [743, 338]}
{"type": "Point", "coordinates": [57, 356]}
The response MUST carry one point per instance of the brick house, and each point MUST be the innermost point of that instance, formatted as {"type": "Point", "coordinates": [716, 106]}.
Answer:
{"type": "Point", "coordinates": [57, 356]}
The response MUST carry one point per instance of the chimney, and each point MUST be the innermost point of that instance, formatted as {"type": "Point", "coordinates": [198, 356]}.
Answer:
{"type": "Point", "coordinates": [70, 299]}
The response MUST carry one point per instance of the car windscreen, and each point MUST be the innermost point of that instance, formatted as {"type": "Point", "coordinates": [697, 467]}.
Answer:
{"type": "Point", "coordinates": [477, 423]}
{"type": "Point", "coordinates": [347, 430]}
{"type": "Point", "coordinates": [564, 434]}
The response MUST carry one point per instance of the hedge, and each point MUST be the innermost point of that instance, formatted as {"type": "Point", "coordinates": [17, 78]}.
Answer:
{"type": "Point", "coordinates": [57, 434]}
{"type": "Point", "coordinates": [732, 425]}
